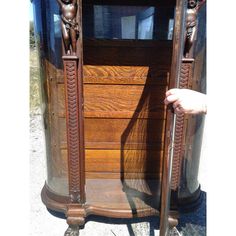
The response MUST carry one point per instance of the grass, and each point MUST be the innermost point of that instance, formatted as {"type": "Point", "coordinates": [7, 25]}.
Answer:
{"type": "Point", "coordinates": [34, 82]}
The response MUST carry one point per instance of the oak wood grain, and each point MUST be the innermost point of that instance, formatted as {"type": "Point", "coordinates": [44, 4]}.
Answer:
{"type": "Point", "coordinates": [120, 101]}
{"type": "Point", "coordinates": [120, 175]}
{"type": "Point", "coordinates": [126, 161]}
{"type": "Point", "coordinates": [126, 74]}
{"type": "Point", "coordinates": [103, 74]}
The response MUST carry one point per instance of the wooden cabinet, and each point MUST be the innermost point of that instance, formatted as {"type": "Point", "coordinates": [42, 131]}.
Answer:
{"type": "Point", "coordinates": [105, 68]}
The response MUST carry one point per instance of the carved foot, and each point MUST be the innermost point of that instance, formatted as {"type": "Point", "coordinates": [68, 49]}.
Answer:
{"type": "Point", "coordinates": [75, 219]}
{"type": "Point", "coordinates": [173, 222]}
{"type": "Point", "coordinates": [174, 232]}
{"type": "Point", "coordinates": [73, 230]}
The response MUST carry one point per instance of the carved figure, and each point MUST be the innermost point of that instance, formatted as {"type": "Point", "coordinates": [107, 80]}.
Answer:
{"type": "Point", "coordinates": [191, 23]}
{"type": "Point", "coordinates": [69, 26]}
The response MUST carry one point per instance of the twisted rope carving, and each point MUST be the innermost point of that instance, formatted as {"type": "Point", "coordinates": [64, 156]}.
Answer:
{"type": "Point", "coordinates": [72, 128]}
{"type": "Point", "coordinates": [185, 76]}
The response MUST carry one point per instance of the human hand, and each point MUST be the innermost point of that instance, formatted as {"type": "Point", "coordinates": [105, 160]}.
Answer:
{"type": "Point", "coordinates": [186, 101]}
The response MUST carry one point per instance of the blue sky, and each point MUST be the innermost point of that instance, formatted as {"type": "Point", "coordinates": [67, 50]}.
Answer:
{"type": "Point", "coordinates": [31, 12]}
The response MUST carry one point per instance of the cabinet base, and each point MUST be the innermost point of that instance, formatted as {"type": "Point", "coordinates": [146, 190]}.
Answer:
{"type": "Point", "coordinates": [111, 198]}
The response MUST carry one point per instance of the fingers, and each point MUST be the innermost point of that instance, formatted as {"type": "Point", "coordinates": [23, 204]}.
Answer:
{"type": "Point", "coordinates": [171, 99]}
{"type": "Point", "coordinates": [172, 91]}
{"type": "Point", "coordinates": [171, 96]}
{"type": "Point", "coordinates": [186, 101]}
{"type": "Point", "coordinates": [176, 104]}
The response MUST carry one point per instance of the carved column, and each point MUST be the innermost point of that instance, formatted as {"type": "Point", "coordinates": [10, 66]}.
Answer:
{"type": "Point", "coordinates": [185, 80]}
{"type": "Point", "coordinates": [72, 58]}
{"type": "Point", "coordinates": [73, 115]}
{"type": "Point", "coordinates": [185, 77]}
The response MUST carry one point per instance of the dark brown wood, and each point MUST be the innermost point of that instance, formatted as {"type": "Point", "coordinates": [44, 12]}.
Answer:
{"type": "Point", "coordinates": [75, 218]}
{"type": "Point", "coordinates": [69, 25]}
{"type": "Point", "coordinates": [127, 53]}
{"type": "Point", "coordinates": [185, 77]}
{"type": "Point", "coordinates": [191, 25]}
{"type": "Point", "coordinates": [73, 129]}
{"type": "Point", "coordinates": [72, 61]}
{"type": "Point", "coordinates": [72, 58]}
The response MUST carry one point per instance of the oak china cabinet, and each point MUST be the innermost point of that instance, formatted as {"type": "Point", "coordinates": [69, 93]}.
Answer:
{"type": "Point", "coordinates": [105, 66]}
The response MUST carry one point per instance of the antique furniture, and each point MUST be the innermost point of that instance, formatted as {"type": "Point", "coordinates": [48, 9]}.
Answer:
{"type": "Point", "coordinates": [105, 68]}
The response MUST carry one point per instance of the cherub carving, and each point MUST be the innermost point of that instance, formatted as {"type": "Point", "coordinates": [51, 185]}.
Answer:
{"type": "Point", "coordinates": [69, 26]}
{"type": "Point", "coordinates": [191, 22]}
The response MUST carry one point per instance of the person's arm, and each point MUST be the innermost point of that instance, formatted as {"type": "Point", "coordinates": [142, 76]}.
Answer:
{"type": "Point", "coordinates": [186, 101]}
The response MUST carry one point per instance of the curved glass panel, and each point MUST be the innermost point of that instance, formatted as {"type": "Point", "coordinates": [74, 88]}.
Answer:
{"type": "Point", "coordinates": [195, 124]}
{"type": "Point", "coordinates": [48, 38]}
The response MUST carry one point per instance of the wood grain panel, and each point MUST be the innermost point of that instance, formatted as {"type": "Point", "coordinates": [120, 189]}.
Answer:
{"type": "Point", "coordinates": [128, 145]}
{"type": "Point", "coordinates": [123, 98]}
{"type": "Point", "coordinates": [124, 114]}
{"type": "Point", "coordinates": [92, 74]}
{"type": "Point", "coordinates": [123, 130]}
{"type": "Point", "coordinates": [125, 161]}
{"type": "Point", "coordinates": [125, 133]}
{"type": "Point", "coordinates": [122, 161]}
{"type": "Point", "coordinates": [158, 75]}
{"type": "Point", "coordinates": [117, 175]}
{"type": "Point", "coordinates": [119, 101]}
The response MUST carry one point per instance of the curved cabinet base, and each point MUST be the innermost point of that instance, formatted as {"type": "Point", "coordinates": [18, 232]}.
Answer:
{"type": "Point", "coordinates": [121, 209]}
{"type": "Point", "coordinates": [115, 204]}
{"type": "Point", "coordinates": [103, 204]}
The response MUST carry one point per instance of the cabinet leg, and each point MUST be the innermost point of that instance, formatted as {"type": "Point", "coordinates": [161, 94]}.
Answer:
{"type": "Point", "coordinates": [173, 222]}
{"type": "Point", "coordinates": [174, 232]}
{"type": "Point", "coordinates": [73, 230]}
{"type": "Point", "coordinates": [75, 219]}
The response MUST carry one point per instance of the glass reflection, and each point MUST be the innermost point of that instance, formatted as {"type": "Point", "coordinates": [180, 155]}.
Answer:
{"type": "Point", "coordinates": [128, 22]}
{"type": "Point", "coordinates": [48, 38]}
